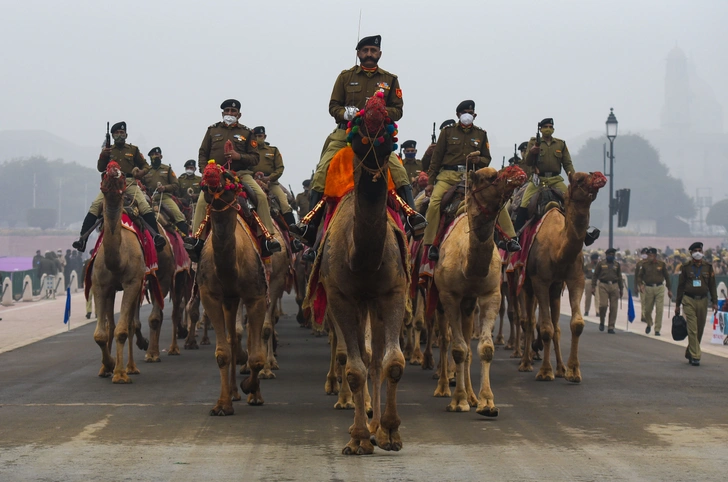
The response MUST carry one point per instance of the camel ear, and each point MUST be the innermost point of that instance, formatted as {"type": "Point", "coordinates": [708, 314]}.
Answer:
{"type": "Point", "coordinates": [474, 177]}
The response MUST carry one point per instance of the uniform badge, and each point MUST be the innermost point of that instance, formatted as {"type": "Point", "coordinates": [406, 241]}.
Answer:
{"type": "Point", "coordinates": [129, 155]}
{"type": "Point", "coordinates": [399, 93]}
{"type": "Point", "coordinates": [487, 145]}
{"type": "Point", "coordinates": [253, 144]}
{"type": "Point", "coordinates": [476, 142]}
{"type": "Point", "coordinates": [239, 138]}
{"type": "Point", "coordinates": [383, 85]}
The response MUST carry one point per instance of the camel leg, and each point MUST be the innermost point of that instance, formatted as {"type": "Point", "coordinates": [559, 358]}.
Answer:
{"type": "Point", "coordinates": [332, 384]}
{"type": "Point", "coordinates": [417, 325]}
{"type": "Point", "coordinates": [205, 327]}
{"type": "Point", "coordinates": [256, 351]}
{"type": "Point", "coordinates": [528, 327]}
{"type": "Point", "coordinates": [428, 360]}
{"type": "Point", "coordinates": [546, 329]}
{"type": "Point", "coordinates": [576, 290]}
{"type": "Point", "coordinates": [223, 355]}
{"type": "Point", "coordinates": [450, 361]}
{"type": "Point", "coordinates": [555, 315]}
{"type": "Point", "coordinates": [177, 308]}
{"type": "Point", "coordinates": [455, 313]}
{"type": "Point", "coordinates": [103, 336]}
{"type": "Point", "coordinates": [129, 301]}
{"type": "Point", "coordinates": [155, 330]}
{"type": "Point", "coordinates": [486, 349]}
{"type": "Point", "coordinates": [270, 361]}
{"type": "Point", "coordinates": [499, 339]}
{"type": "Point", "coordinates": [345, 400]}
{"type": "Point", "coordinates": [131, 368]}
{"type": "Point", "coordinates": [443, 383]}
{"type": "Point", "coordinates": [375, 373]}
{"type": "Point", "coordinates": [193, 313]}
{"type": "Point", "coordinates": [230, 310]}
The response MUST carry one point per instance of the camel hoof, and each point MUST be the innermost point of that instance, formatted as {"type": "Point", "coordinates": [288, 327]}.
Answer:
{"type": "Point", "coordinates": [132, 370]}
{"type": "Point", "coordinates": [537, 357]}
{"type": "Point", "coordinates": [331, 387]}
{"type": "Point", "coordinates": [442, 392]}
{"type": "Point", "coordinates": [255, 399]}
{"type": "Point", "coordinates": [516, 354]}
{"type": "Point", "coordinates": [106, 372]}
{"type": "Point", "coordinates": [221, 411]}
{"type": "Point", "coordinates": [487, 411]}
{"type": "Point", "coordinates": [266, 375]}
{"type": "Point", "coordinates": [274, 366]}
{"type": "Point", "coordinates": [205, 341]}
{"type": "Point", "coordinates": [499, 340]}
{"type": "Point", "coordinates": [389, 441]}
{"type": "Point", "coordinates": [142, 344]}
{"type": "Point", "coordinates": [509, 346]}
{"type": "Point", "coordinates": [452, 382]}
{"type": "Point", "coordinates": [428, 362]}
{"type": "Point", "coordinates": [344, 406]}
{"type": "Point", "coordinates": [545, 376]}
{"type": "Point", "coordinates": [559, 373]}
{"type": "Point", "coordinates": [152, 359]}
{"type": "Point", "coordinates": [192, 345]}
{"type": "Point", "coordinates": [462, 406]}
{"type": "Point", "coordinates": [173, 351]}
{"type": "Point", "coordinates": [573, 376]}
{"type": "Point", "coordinates": [121, 378]}
{"type": "Point", "coordinates": [525, 368]}
{"type": "Point", "coordinates": [244, 369]}
{"type": "Point", "coordinates": [235, 396]}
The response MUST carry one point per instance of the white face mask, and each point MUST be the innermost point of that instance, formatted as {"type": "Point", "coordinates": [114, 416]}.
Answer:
{"type": "Point", "coordinates": [229, 119]}
{"type": "Point", "coordinates": [466, 119]}
{"type": "Point", "coordinates": [697, 256]}
{"type": "Point", "coordinates": [190, 171]}
{"type": "Point", "coordinates": [644, 256]}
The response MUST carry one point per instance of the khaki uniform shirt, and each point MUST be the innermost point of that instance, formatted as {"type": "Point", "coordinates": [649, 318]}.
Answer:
{"type": "Point", "coordinates": [163, 175]}
{"type": "Point", "coordinates": [698, 280]}
{"type": "Point", "coordinates": [187, 181]}
{"type": "Point", "coordinates": [608, 272]}
{"type": "Point", "coordinates": [354, 86]}
{"type": "Point", "coordinates": [652, 273]}
{"type": "Point", "coordinates": [128, 157]}
{"type": "Point", "coordinates": [412, 166]}
{"type": "Point", "coordinates": [213, 146]}
{"type": "Point", "coordinates": [453, 146]}
{"type": "Point", "coordinates": [270, 162]}
{"type": "Point", "coordinates": [427, 157]}
{"type": "Point", "coordinates": [303, 204]}
{"type": "Point", "coordinates": [554, 156]}
{"type": "Point", "coordinates": [589, 269]}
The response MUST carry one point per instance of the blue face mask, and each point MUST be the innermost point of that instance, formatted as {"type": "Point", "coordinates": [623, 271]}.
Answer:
{"type": "Point", "coordinates": [410, 155]}
{"type": "Point", "coordinates": [610, 259]}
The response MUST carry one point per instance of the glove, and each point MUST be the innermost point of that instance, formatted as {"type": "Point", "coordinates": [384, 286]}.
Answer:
{"type": "Point", "coordinates": [350, 112]}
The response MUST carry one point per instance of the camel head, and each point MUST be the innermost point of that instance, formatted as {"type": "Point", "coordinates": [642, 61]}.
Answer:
{"type": "Point", "coordinates": [113, 180]}
{"type": "Point", "coordinates": [372, 134]}
{"type": "Point", "coordinates": [221, 186]}
{"type": "Point", "coordinates": [584, 187]}
{"type": "Point", "coordinates": [489, 189]}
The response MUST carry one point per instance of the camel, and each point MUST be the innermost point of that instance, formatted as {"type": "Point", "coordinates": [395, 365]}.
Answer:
{"type": "Point", "coordinates": [555, 259]}
{"type": "Point", "coordinates": [279, 269]}
{"type": "Point", "coordinates": [365, 274]}
{"type": "Point", "coordinates": [119, 265]}
{"type": "Point", "coordinates": [192, 310]}
{"type": "Point", "coordinates": [231, 271]}
{"type": "Point", "coordinates": [302, 269]}
{"type": "Point", "coordinates": [469, 273]}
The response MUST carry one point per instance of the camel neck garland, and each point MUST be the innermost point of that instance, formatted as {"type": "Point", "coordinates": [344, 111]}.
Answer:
{"type": "Point", "coordinates": [355, 127]}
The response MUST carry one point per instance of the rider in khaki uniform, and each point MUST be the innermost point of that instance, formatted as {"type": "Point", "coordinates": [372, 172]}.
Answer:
{"type": "Point", "coordinates": [241, 159]}
{"type": "Point", "coordinates": [696, 282]}
{"type": "Point", "coordinates": [271, 165]}
{"type": "Point", "coordinates": [302, 203]}
{"type": "Point", "coordinates": [411, 164]}
{"type": "Point", "coordinates": [188, 181]}
{"type": "Point", "coordinates": [461, 146]}
{"type": "Point", "coordinates": [589, 269]}
{"type": "Point", "coordinates": [161, 178]}
{"type": "Point", "coordinates": [609, 275]}
{"type": "Point", "coordinates": [132, 164]}
{"type": "Point", "coordinates": [651, 277]}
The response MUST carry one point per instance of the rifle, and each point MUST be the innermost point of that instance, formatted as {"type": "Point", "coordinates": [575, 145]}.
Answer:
{"type": "Point", "coordinates": [434, 137]}
{"type": "Point", "coordinates": [515, 151]}
{"type": "Point", "coordinates": [108, 136]}
{"type": "Point", "coordinates": [503, 163]}
{"type": "Point", "coordinates": [536, 179]}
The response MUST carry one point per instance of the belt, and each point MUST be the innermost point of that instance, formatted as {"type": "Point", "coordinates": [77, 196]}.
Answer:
{"type": "Point", "coordinates": [129, 175]}
{"type": "Point", "coordinates": [696, 297]}
{"type": "Point", "coordinates": [609, 282]}
{"type": "Point", "coordinates": [343, 125]}
{"type": "Point", "coordinates": [653, 284]}
{"type": "Point", "coordinates": [548, 174]}
{"type": "Point", "coordinates": [458, 168]}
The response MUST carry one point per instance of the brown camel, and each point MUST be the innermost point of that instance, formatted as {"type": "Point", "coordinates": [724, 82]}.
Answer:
{"type": "Point", "coordinates": [468, 273]}
{"type": "Point", "coordinates": [555, 259]}
{"type": "Point", "coordinates": [302, 268]}
{"type": "Point", "coordinates": [279, 272]}
{"type": "Point", "coordinates": [119, 265]}
{"type": "Point", "coordinates": [230, 271]}
{"type": "Point", "coordinates": [365, 277]}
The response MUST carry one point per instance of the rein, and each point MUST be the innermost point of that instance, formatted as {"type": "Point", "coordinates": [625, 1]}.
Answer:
{"type": "Point", "coordinates": [216, 197]}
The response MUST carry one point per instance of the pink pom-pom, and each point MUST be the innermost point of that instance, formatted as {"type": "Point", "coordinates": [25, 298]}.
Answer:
{"type": "Point", "coordinates": [380, 139]}
{"type": "Point", "coordinates": [380, 94]}
{"type": "Point", "coordinates": [361, 112]}
{"type": "Point", "coordinates": [349, 125]}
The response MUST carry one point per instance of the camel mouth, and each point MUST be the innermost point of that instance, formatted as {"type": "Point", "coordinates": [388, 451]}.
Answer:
{"type": "Point", "coordinates": [597, 180]}
{"type": "Point", "coordinates": [513, 176]}
{"type": "Point", "coordinates": [113, 179]}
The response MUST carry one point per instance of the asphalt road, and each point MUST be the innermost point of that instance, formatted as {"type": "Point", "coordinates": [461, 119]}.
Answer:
{"type": "Point", "coordinates": [641, 413]}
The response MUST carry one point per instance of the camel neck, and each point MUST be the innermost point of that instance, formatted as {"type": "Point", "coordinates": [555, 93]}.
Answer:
{"type": "Point", "coordinates": [576, 223]}
{"type": "Point", "coordinates": [480, 241]}
{"type": "Point", "coordinates": [223, 241]}
{"type": "Point", "coordinates": [370, 219]}
{"type": "Point", "coordinates": [112, 231]}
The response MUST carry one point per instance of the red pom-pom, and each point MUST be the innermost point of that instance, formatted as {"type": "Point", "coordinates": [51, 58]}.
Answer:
{"type": "Point", "coordinates": [380, 94]}
{"type": "Point", "coordinates": [381, 139]}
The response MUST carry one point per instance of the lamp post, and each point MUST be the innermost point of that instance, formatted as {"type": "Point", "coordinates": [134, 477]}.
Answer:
{"type": "Point", "coordinates": [611, 135]}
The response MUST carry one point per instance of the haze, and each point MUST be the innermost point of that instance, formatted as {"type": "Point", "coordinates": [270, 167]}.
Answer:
{"type": "Point", "coordinates": [164, 67]}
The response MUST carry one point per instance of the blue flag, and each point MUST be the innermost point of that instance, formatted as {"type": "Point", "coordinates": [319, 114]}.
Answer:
{"type": "Point", "coordinates": [630, 306]}
{"type": "Point", "coordinates": [67, 314]}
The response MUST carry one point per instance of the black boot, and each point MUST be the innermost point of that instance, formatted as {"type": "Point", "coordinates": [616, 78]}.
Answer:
{"type": "Point", "coordinates": [521, 218]}
{"type": "Point", "coordinates": [296, 245]}
{"type": "Point", "coordinates": [193, 246]}
{"type": "Point", "coordinates": [184, 229]}
{"type": "Point", "coordinates": [309, 231]}
{"type": "Point", "coordinates": [290, 220]}
{"type": "Point", "coordinates": [309, 256]}
{"type": "Point", "coordinates": [417, 222]}
{"type": "Point", "coordinates": [159, 240]}
{"type": "Point", "coordinates": [88, 222]}
{"type": "Point", "coordinates": [434, 253]}
{"type": "Point", "coordinates": [592, 234]}
{"type": "Point", "coordinates": [268, 247]}
{"type": "Point", "coordinates": [602, 316]}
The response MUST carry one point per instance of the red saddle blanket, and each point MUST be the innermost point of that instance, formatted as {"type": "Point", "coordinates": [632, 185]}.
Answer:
{"type": "Point", "coordinates": [517, 261]}
{"type": "Point", "coordinates": [150, 259]}
{"type": "Point", "coordinates": [181, 258]}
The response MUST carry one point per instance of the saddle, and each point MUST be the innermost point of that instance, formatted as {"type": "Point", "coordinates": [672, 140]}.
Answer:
{"type": "Point", "coordinates": [545, 199]}
{"type": "Point", "coordinates": [450, 205]}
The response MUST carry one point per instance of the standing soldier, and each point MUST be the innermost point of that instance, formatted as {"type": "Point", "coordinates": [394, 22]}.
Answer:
{"type": "Point", "coordinates": [609, 276]}
{"type": "Point", "coordinates": [637, 282]}
{"type": "Point", "coordinates": [696, 281]}
{"type": "Point", "coordinates": [243, 156]}
{"type": "Point", "coordinates": [351, 90]}
{"type": "Point", "coordinates": [132, 164]}
{"type": "Point", "coordinates": [650, 276]}
{"type": "Point", "coordinates": [302, 199]}
{"type": "Point", "coordinates": [589, 269]}
{"type": "Point", "coordinates": [411, 164]}
{"type": "Point", "coordinates": [188, 181]}
{"type": "Point", "coordinates": [546, 161]}
{"type": "Point", "coordinates": [161, 178]}
{"type": "Point", "coordinates": [460, 147]}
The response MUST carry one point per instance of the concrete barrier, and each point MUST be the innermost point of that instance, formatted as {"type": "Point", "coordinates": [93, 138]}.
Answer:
{"type": "Point", "coordinates": [73, 281]}
{"type": "Point", "coordinates": [60, 284]}
{"type": "Point", "coordinates": [7, 293]}
{"type": "Point", "coordinates": [27, 288]}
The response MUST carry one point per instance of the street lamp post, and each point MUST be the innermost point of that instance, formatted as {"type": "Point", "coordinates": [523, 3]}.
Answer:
{"type": "Point", "coordinates": [611, 135]}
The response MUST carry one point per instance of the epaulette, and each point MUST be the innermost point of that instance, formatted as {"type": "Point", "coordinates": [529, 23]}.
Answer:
{"type": "Point", "coordinates": [245, 127]}
{"type": "Point", "coordinates": [477, 128]}
{"type": "Point", "coordinates": [216, 124]}
{"type": "Point", "coordinates": [387, 73]}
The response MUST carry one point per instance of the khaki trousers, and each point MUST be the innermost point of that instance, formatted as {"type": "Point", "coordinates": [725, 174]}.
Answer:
{"type": "Point", "coordinates": [263, 206]}
{"type": "Point", "coordinates": [696, 312]}
{"type": "Point", "coordinates": [276, 190]}
{"type": "Point", "coordinates": [609, 296]}
{"type": "Point", "coordinates": [171, 207]}
{"type": "Point", "coordinates": [588, 297]}
{"type": "Point", "coordinates": [654, 298]}
{"type": "Point", "coordinates": [557, 182]}
{"type": "Point", "coordinates": [337, 141]}
{"type": "Point", "coordinates": [97, 206]}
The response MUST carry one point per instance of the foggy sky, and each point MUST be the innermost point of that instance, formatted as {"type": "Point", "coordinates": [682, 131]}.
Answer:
{"type": "Point", "coordinates": [165, 66]}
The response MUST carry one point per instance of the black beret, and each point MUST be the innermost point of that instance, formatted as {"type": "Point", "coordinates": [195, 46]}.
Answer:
{"type": "Point", "coordinates": [155, 150]}
{"type": "Point", "coordinates": [595, 256]}
{"type": "Point", "coordinates": [523, 146]}
{"type": "Point", "coordinates": [645, 250]}
{"type": "Point", "coordinates": [307, 183]}
{"type": "Point", "coordinates": [696, 245]}
{"type": "Point", "coordinates": [610, 251]}
{"type": "Point", "coordinates": [119, 126]}
{"type": "Point", "coordinates": [449, 122]}
{"type": "Point", "coordinates": [230, 103]}
{"type": "Point", "coordinates": [513, 160]}
{"type": "Point", "coordinates": [374, 41]}
{"type": "Point", "coordinates": [408, 144]}
{"type": "Point", "coordinates": [191, 162]}
{"type": "Point", "coordinates": [547, 120]}
{"type": "Point", "coordinates": [465, 105]}
{"type": "Point", "coordinates": [259, 130]}
{"type": "Point", "coordinates": [652, 251]}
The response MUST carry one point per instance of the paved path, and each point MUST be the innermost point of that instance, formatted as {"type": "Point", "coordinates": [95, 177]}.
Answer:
{"type": "Point", "coordinates": [641, 413]}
